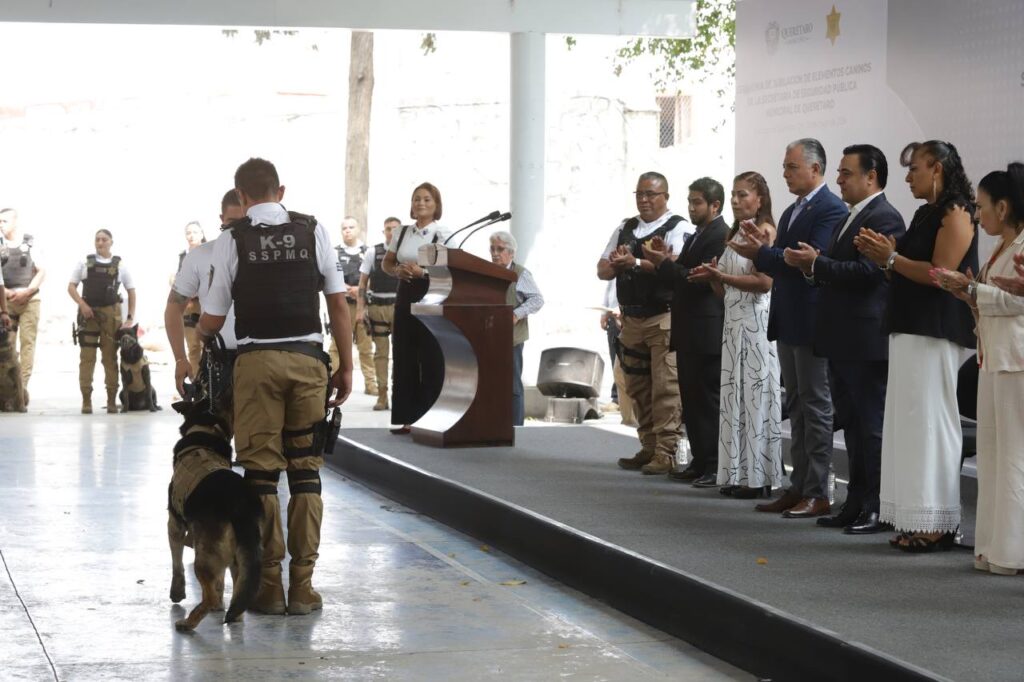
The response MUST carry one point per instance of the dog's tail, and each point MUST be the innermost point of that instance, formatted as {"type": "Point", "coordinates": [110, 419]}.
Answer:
{"type": "Point", "coordinates": [245, 521]}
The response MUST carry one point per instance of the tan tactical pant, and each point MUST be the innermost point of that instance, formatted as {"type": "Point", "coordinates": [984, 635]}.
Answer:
{"type": "Point", "coordinates": [382, 317]}
{"type": "Point", "coordinates": [99, 332]}
{"type": "Point", "coordinates": [193, 342]}
{"type": "Point", "coordinates": [26, 317]}
{"type": "Point", "coordinates": [649, 369]}
{"type": "Point", "coordinates": [279, 396]}
{"type": "Point", "coordinates": [361, 337]}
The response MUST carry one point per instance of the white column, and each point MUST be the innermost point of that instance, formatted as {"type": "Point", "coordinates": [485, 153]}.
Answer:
{"type": "Point", "coordinates": [526, 173]}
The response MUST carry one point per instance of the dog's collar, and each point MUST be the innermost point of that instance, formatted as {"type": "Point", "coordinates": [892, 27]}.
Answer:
{"type": "Point", "coordinates": [208, 441]}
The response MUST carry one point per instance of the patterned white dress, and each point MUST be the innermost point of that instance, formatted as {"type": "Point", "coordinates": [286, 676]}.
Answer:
{"type": "Point", "coordinates": [750, 410]}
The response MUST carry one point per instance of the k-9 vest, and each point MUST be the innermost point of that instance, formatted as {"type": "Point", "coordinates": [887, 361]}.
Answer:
{"type": "Point", "coordinates": [348, 264]}
{"type": "Point", "coordinates": [196, 456]}
{"type": "Point", "coordinates": [18, 266]}
{"type": "Point", "coordinates": [641, 290]}
{"type": "Point", "coordinates": [380, 281]}
{"type": "Point", "coordinates": [99, 288]}
{"type": "Point", "coordinates": [276, 289]}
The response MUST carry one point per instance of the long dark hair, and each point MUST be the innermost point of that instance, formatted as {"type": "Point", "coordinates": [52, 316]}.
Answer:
{"type": "Point", "coordinates": [760, 185]}
{"type": "Point", "coordinates": [956, 188]}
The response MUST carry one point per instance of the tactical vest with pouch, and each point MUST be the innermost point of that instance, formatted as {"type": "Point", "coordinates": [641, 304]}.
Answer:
{"type": "Point", "coordinates": [642, 294]}
{"type": "Point", "coordinates": [18, 266]}
{"type": "Point", "coordinates": [99, 288]}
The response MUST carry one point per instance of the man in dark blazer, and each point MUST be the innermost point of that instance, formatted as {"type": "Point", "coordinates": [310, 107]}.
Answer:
{"type": "Point", "coordinates": [849, 334]}
{"type": "Point", "coordinates": [697, 330]}
{"type": "Point", "coordinates": [816, 214]}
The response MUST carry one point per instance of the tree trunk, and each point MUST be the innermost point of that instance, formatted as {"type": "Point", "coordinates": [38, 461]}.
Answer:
{"type": "Point", "coordinates": [357, 146]}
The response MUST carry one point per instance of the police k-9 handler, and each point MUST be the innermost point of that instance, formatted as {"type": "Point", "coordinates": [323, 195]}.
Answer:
{"type": "Point", "coordinates": [272, 265]}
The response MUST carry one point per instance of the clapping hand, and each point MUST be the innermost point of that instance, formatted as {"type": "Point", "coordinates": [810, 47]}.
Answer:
{"type": "Point", "coordinates": [751, 239]}
{"type": "Point", "coordinates": [954, 282]}
{"type": "Point", "coordinates": [656, 250]}
{"type": "Point", "coordinates": [875, 246]}
{"type": "Point", "coordinates": [801, 258]}
{"type": "Point", "coordinates": [708, 272]}
{"type": "Point", "coordinates": [622, 259]}
{"type": "Point", "coordinates": [408, 271]}
{"type": "Point", "coordinates": [1012, 285]}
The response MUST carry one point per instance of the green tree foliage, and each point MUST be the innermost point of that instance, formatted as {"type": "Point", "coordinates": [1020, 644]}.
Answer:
{"type": "Point", "coordinates": [711, 50]}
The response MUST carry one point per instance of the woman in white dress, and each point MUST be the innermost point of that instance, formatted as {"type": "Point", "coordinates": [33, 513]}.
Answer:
{"type": "Point", "coordinates": [999, 316]}
{"type": "Point", "coordinates": [749, 438]}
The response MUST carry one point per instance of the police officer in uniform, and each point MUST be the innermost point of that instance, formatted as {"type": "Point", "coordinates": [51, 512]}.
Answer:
{"type": "Point", "coordinates": [351, 254]}
{"type": "Point", "coordinates": [99, 316]}
{"type": "Point", "coordinates": [272, 264]}
{"type": "Point", "coordinates": [22, 276]}
{"type": "Point", "coordinates": [647, 361]}
{"type": "Point", "coordinates": [190, 315]}
{"type": "Point", "coordinates": [376, 309]}
{"type": "Point", "coordinates": [192, 283]}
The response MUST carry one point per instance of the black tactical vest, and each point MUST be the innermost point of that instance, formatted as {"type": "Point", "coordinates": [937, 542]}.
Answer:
{"type": "Point", "coordinates": [643, 290]}
{"type": "Point", "coordinates": [276, 289]}
{"type": "Point", "coordinates": [348, 264]}
{"type": "Point", "coordinates": [18, 267]}
{"type": "Point", "coordinates": [99, 288]}
{"type": "Point", "coordinates": [380, 281]}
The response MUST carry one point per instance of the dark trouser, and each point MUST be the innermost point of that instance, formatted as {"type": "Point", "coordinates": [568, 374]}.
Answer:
{"type": "Point", "coordinates": [612, 330]}
{"type": "Point", "coordinates": [858, 389]}
{"type": "Point", "coordinates": [518, 403]}
{"type": "Point", "coordinates": [418, 364]}
{"type": "Point", "coordinates": [809, 403]}
{"type": "Point", "coordinates": [700, 377]}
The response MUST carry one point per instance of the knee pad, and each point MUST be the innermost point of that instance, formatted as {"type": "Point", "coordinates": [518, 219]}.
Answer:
{"type": "Point", "coordinates": [263, 482]}
{"type": "Point", "coordinates": [304, 481]}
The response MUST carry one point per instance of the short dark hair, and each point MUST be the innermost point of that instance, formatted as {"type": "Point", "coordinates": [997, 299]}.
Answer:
{"type": "Point", "coordinates": [106, 232]}
{"type": "Point", "coordinates": [870, 159]}
{"type": "Point", "coordinates": [654, 176]}
{"type": "Point", "coordinates": [435, 193]}
{"type": "Point", "coordinates": [710, 189]}
{"type": "Point", "coordinates": [229, 199]}
{"type": "Point", "coordinates": [812, 149]}
{"type": "Point", "coordinates": [257, 178]}
{"type": "Point", "coordinates": [1008, 186]}
{"type": "Point", "coordinates": [392, 219]}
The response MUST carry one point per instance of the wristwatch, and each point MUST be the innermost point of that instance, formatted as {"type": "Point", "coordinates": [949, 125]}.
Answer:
{"type": "Point", "coordinates": [972, 290]}
{"type": "Point", "coordinates": [636, 266]}
{"type": "Point", "coordinates": [892, 260]}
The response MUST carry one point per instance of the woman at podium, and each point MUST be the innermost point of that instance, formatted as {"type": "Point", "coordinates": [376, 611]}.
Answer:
{"type": "Point", "coordinates": [418, 364]}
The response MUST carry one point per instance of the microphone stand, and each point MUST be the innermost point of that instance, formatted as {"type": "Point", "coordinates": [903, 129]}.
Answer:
{"type": "Point", "coordinates": [490, 216]}
{"type": "Point", "coordinates": [500, 219]}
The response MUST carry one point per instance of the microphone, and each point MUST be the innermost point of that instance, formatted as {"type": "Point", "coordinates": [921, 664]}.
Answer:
{"type": "Point", "coordinates": [500, 219]}
{"type": "Point", "coordinates": [490, 216]}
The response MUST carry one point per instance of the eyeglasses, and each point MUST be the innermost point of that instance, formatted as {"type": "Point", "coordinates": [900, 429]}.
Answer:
{"type": "Point", "coordinates": [647, 195]}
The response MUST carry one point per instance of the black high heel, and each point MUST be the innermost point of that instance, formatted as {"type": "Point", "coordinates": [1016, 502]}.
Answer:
{"type": "Point", "coordinates": [728, 490]}
{"type": "Point", "coordinates": [746, 493]}
{"type": "Point", "coordinates": [917, 544]}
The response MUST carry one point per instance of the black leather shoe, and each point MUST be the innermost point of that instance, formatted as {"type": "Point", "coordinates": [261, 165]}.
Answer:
{"type": "Point", "coordinates": [846, 516]}
{"type": "Point", "coordinates": [706, 481]}
{"type": "Point", "coordinates": [866, 524]}
{"type": "Point", "coordinates": [686, 475]}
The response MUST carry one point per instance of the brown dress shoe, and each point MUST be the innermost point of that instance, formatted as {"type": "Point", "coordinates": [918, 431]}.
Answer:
{"type": "Point", "coordinates": [807, 508]}
{"type": "Point", "coordinates": [636, 461]}
{"type": "Point", "coordinates": [789, 499]}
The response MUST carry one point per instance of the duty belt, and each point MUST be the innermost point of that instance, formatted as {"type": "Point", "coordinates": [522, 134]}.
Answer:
{"type": "Point", "coordinates": [644, 310]}
{"type": "Point", "coordinates": [379, 300]}
{"type": "Point", "coordinates": [310, 348]}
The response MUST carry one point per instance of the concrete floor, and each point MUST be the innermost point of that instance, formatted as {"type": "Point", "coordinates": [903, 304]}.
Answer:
{"type": "Point", "coordinates": [85, 577]}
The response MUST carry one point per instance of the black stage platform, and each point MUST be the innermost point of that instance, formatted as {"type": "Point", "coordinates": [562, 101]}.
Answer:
{"type": "Point", "coordinates": [781, 598]}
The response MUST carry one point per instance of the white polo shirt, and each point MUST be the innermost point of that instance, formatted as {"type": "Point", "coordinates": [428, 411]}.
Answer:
{"type": "Point", "coordinates": [416, 237]}
{"type": "Point", "coordinates": [81, 272]}
{"type": "Point", "coordinates": [194, 279]}
{"type": "Point", "coordinates": [225, 268]}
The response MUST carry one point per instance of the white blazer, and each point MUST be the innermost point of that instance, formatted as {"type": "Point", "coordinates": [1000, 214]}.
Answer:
{"type": "Point", "coordinates": [1000, 316]}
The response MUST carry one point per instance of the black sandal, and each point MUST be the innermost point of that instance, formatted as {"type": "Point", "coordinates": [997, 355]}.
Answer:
{"type": "Point", "coordinates": [897, 541]}
{"type": "Point", "coordinates": [748, 493]}
{"type": "Point", "coordinates": [917, 544]}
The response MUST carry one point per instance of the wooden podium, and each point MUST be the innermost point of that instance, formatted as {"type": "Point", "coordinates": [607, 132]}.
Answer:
{"type": "Point", "coordinates": [465, 309]}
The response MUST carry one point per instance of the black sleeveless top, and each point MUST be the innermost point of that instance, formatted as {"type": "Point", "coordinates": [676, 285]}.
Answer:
{"type": "Point", "coordinates": [927, 310]}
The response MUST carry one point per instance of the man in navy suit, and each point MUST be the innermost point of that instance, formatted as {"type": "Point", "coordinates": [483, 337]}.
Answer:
{"type": "Point", "coordinates": [816, 214]}
{"type": "Point", "coordinates": [853, 299]}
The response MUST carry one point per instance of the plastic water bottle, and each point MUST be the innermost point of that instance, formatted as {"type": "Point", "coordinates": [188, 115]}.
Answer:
{"type": "Point", "coordinates": [683, 453]}
{"type": "Point", "coordinates": [831, 484]}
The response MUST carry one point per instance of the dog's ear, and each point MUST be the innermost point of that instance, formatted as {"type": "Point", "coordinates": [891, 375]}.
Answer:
{"type": "Point", "coordinates": [183, 407]}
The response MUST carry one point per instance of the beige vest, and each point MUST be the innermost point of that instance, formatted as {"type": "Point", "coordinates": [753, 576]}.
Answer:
{"type": "Point", "coordinates": [193, 466]}
{"type": "Point", "coordinates": [521, 330]}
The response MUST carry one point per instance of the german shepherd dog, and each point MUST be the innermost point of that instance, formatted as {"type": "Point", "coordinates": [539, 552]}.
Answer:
{"type": "Point", "coordinates": [210, 503]}
{"type": "Point", "coordinates": [137, 391]}
{"type": "Point", "coordinates": [12, 393]}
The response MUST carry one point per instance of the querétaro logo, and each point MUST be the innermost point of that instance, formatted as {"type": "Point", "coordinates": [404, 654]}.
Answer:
{"type": "Point", "coordinates": [771, 37]}
{"type": "Point", "coordinates": [774, 35]}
